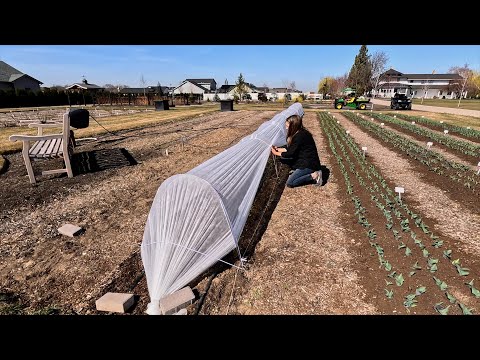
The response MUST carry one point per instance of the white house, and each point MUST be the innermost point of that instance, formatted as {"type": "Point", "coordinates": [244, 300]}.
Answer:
{"type": "Point", "coordinates": [418, 85]}
{"type": "Point", "coordinates": [84, 85]}
{"type": "Point", "coordinates": [190, 87]}
{"type": "Point", "coordinates": [279, 93]}
{"type": "Point", "coordinates": [228, 92]}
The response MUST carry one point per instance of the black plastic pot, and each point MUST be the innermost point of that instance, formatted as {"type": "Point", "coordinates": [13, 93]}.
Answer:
{"type": "Point", "coordinates": [79, 118]}
{"type": "Point", "coordinates": [161, 105]}
{"type": "Point", "coordinates": [226, 105]}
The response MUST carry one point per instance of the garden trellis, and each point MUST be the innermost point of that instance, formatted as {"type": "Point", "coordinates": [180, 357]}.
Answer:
{"type": "Point", "coordinates": [197, 218]}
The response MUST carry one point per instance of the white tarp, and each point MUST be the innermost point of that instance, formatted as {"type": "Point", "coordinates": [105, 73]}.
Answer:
{"type": "Point", "coordinates": [197, 218]}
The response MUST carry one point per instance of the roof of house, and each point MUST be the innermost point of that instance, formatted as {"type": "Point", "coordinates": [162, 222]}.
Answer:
{"type": "Point", "coordinates": [225, 88]}
{"type": "Point", "coordinates": [194, 83]}
{"type": "Point", "coordinates": [391, 85]}
{"type": "Point", "coordinates": [283, 90]}
{"type": "Point", "coordinates": [137, 90]}
{"type": "Point", "coordinates": [83, 86]}
{"type": "Point", "coordinates": [262, 88]}
{"type": "Point", "coordinates": [392, 72]}
{"type": "Point", "coordinates": [202, 80]}
{"type": "Point", "coordinates": [434, 76]}
{"type": "Point", "coordinates": [9, 73]}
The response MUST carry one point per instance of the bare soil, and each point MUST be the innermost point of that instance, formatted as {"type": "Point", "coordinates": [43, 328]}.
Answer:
{"type": "Point", "coordinates": [307, 253]}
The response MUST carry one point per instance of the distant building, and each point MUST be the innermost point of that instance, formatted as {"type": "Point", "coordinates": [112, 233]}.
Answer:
{"type": "Point", "coordinates": [252, 92]}
{"type": "Point", "coordinates": [148, 90]}
{"type": "Point", "coordinates": [418, 85]}
{"type": "Point", "coordinates": [84, 85]}
{"type": "Point", "coordinates": [191, 86]}
{"type": "Point", "coordinates": [13, 79]}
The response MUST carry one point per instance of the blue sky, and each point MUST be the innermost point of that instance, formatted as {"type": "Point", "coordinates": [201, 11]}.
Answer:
{"type": "Point", "coordinates": [273, 65]}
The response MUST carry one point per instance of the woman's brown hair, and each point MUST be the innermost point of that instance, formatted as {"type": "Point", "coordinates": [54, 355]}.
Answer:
{"type": "Point", "coordinates": [294, 125]}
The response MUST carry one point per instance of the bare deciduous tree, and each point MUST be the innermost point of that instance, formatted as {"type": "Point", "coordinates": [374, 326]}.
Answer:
{"type": "Point", "coordinates": [425, 87]}
{"type": "Point", "coordinates": [378, 63]}
{"type": "Point", "coordinates": [466, 84]}
{"type": "Point", "coordinates": [339, 83]}
{"type": "Point", "coordinates": [142, 83]}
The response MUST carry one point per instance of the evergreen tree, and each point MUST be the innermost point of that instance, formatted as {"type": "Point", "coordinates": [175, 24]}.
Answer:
{"type": "Point", "coordinates": [241, 86]}
{"type": "Point", "coordinates": [361, 71]}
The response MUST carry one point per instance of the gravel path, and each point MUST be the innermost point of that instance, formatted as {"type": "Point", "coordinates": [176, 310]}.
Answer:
{"type": "Point", "coordinates": [310, 267]}
{"type": "Point", "coordinates": [437, 109]}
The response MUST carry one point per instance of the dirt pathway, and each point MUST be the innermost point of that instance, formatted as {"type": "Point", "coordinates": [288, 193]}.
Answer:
{"type": "Point", "coordinates": [447, 155]}
{"type": "Point", "coordinates": [47, 269]}
{"type": "Point", "coordinates": [451, 217]}
{"type": "Point", "coordinates": [303, 264]}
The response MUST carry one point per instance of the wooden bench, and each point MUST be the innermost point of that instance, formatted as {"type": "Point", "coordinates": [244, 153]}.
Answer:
{"type": "Point", "coordinates": [47, 147]}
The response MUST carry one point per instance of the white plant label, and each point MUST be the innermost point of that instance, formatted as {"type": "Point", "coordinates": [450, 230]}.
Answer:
{"type": "Point", "coordinates": [381, 124]}
{"type": "Point", "coordinates": [423, 116]}
{"type": "Point", "coordinates": [394, 116]}
{"type": "Point", "coordinates": [399, 190]}
{"type": "Point", "coordinates": [478, 172]}
{"type": "Point", "coordinates": [413, 122]}
{"type": "Point", "coordinates": [441, 122]}
{"type": "Point", "coordinates": [364, 149]}
{"type": "Point", "coordinates": [329, 112]}
{"type": "Point", "coordinates": [338, 122]}
{"type": "Point", "coordinates": [445, 131]}
{"type": "Point", "coordinates": [429, 144]}
{"type": "Point", "coordinates": [371, 118]}
{"type": "Point", "coordinates": [468, 127]}
{"type": "Point", "coordinates": [348, 132]}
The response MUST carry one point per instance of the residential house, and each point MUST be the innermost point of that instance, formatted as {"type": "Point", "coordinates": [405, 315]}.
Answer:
{"type": "Point", "coordinates": [228, 92]}
{"type": "Point", "coordinates": [84, 86]}
{"type": "Point", "coordinates": [13, 79]}
{"type": "Point", "coordinates": [148, 90]}
{"type": "Point", "coordinates": [279, 93]}
{"type": "Point", "coordinates": [192, 87]}
{"type": "Point", "coordinates": [418, 85]}
{"type": "Point", "coordinates": [209, 84]}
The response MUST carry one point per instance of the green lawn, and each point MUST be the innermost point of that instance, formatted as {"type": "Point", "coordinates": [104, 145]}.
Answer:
{"type": "Point", "coordinates": [464, 104]}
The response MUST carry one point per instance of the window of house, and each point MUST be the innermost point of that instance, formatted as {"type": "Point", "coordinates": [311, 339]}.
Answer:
{"type": "Point", "coordinates": [411, 81]}
{"type": "Point", "coordinates": [440, 93]}
{"type": "Point", "coordinates": [449, 93]}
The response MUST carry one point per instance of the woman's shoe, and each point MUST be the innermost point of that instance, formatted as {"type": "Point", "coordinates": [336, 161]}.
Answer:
{"type": "Point", "coordinates": [319, 179]}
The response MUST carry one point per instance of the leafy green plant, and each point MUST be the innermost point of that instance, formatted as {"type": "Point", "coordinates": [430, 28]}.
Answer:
{"type": "Point", "coordinates": [442, 285]}
{"type": "Point", "coordinates": [441, 309]}
{"type": "Point", "coordinates": [389, 293]}
{"type": "Point", "coordinates": [474, 291]}
{"type": "Point", "coordinates": [465, 309]}
{"type": "Point", "coordinates": [399, 280]}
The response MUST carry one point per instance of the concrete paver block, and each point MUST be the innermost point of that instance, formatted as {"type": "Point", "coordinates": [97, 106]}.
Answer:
{"type": "Point", "coordinates": [180, 299]}
{"type": "Point", "coordinates": [115, 302]}
{"type": "Point", "coordinates": [69, 230]}
{"type": "Point", "coordinates": [181, 312]}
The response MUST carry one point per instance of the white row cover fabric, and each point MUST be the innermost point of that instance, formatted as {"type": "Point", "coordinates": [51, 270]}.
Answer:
{"type": "Point", "coordinates": [197, 218]}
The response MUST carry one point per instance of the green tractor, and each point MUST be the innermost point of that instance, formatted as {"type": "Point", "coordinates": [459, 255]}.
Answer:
{"type": "Point", "coordinates": [351, 101]}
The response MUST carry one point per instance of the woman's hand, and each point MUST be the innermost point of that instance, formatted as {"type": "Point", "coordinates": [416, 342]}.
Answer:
{"type": "Point", "coordinates": [278, 150]}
